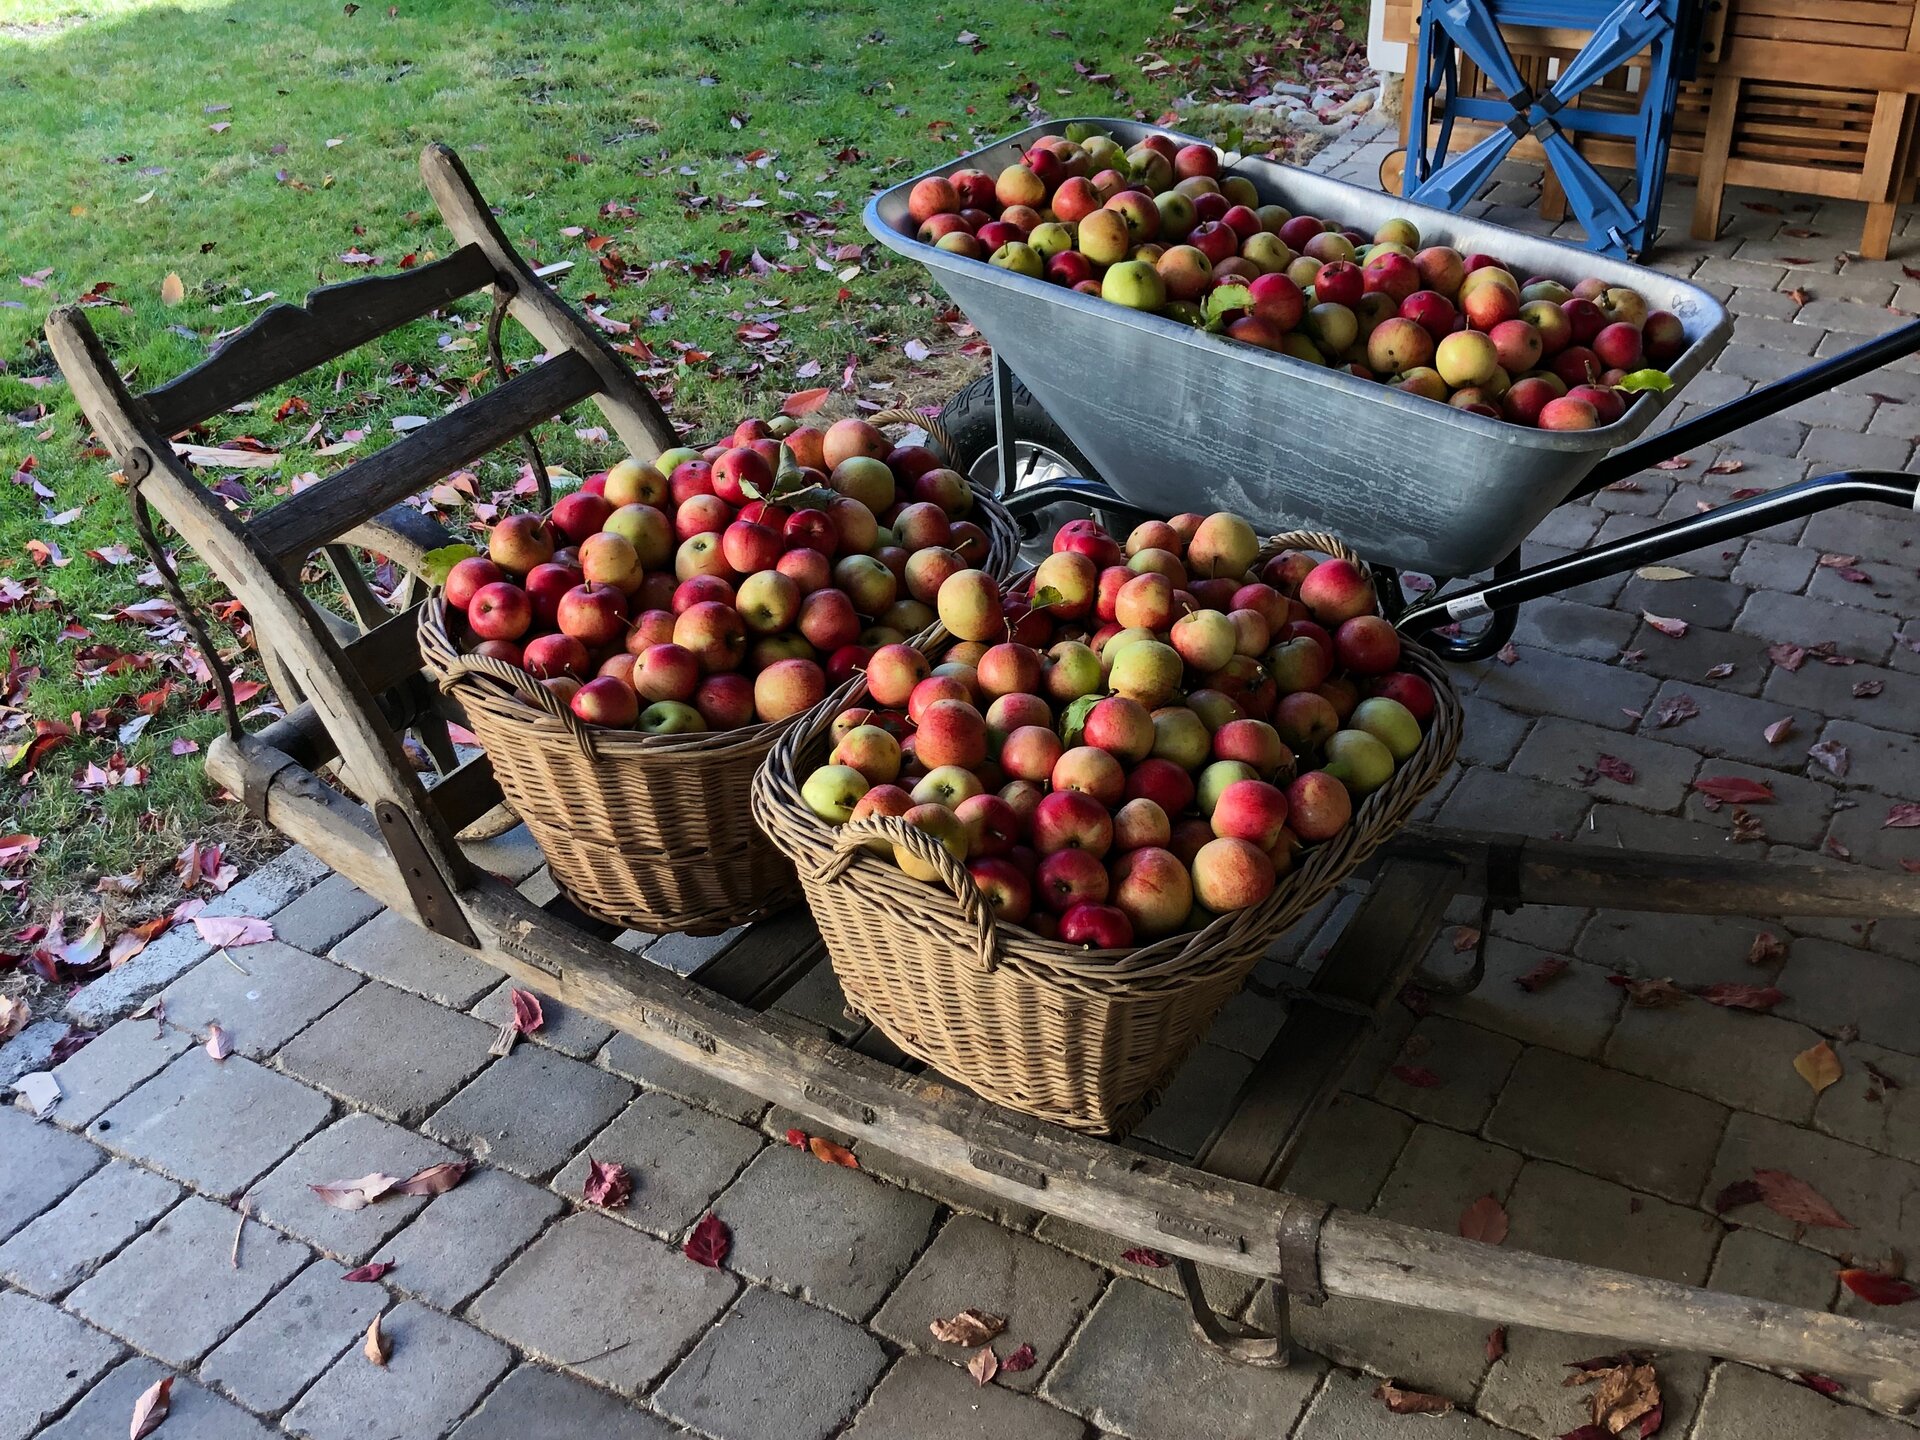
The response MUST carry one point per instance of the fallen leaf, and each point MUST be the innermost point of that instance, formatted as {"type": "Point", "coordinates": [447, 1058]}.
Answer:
{"type": "Point", "coordinates": [1718, 672]}
{"type": "Point", "coordinates": [797, 1139]}
{"type": "Point", "coordinates": [709, 1243]}
{"type": "Point", "coordinates": [371, 1271]}
{"type": "Point", "coordinates": [527, 1014]}
{"type": "Point", "coordinates": [1672, 710]}
{"type": "Point", "coordinates": [969, 1329]}
{"type": "Point", "coordinates": [1792, 1198]}
{"type": "Point", "coordinates": [1665, 624]}
{"type": "Point", "coordinates": [172, 290]}
{"type": "Point", "coordinates": [804, 402]}
{"type": "Point", "coordinates": [1766, 948]}
{"type": "Point", "coordinates": [1141, 1255]}
{"type": "Point", "coordinates": [1834, 757]}
{"type": "Point", "coordinates": [355, 1194]}
{"type": "Point", "coordinates": [378, 1347]}
{"type": "Point", "coordinates": [1904, 815]}
{"type": "Point", "coordinates": [1824, 1384]}
{"type": "Point", "coordinates": [608, 1184]}
{"type": "Point", "coordinates": [1778, 730]}
{"type": "Point", "coordinates": [1415, 1075]}
{"type": "Point", "coordinates": [151, 1408]}
{"type": "Point", "coordinates": [1496, 1344]}
{"type": "Point", "coordinates": [1022, 1358]}
{"type": "Point", "coordinates": [1736, 1194]}
{"type": "Point", "coordinates": [435, 1179]}
{"type": "Point", "coordinates": [1818, 1066]}
{"type": "Point", "coordinates": [1672, 462]}
{"type": "Point", "coordinates": [1507, 655]}
{"type": "Point", "coordinates": [832, 1154]}
{"type": "Point", "coordinates": [1484, 1220]}
{"type": "Point", "coordinates": [232, 931]}
{"type": "Point", "coordinates": [984, 1365]}
{"type": "Point", "coordinates": [1649, 994]}
{"type": "Point", "coordinates": [1663, 572]}
{"type": "Point", "coordinates": [13, 1016]}
{"type": "Point", "coordinates": [219, 1043]}
{"type": "Point", "coordinates": [1735, 789]}
{"type": "Point", "coordinates": [1410, 1402]}
{"type": "Point", "coordinates": [1732, 996]}
{"type": "Point", "coordinates": [1877, 1289]}
{"type": "Point", "coordinates": [1726, 467]}
{"type": "Point", "coordinates": [1627, 1392]}
{"type": "Point", "coordinates": [1867, 689]}
{"type": "Point", "coordinates": [1542, 974]}
{"type": "Point", "coordinates": [1465, 938]}
{"type": "Point", "coordinates": [1616, 769]}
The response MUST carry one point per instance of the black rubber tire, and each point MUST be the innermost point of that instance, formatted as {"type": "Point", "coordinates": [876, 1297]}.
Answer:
{"type": "Point", "coordinates": [970, 418]}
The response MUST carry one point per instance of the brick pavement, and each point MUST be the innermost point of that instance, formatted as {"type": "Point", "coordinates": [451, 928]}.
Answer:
{"type": "Point", "coordinates": [1606, 1130]}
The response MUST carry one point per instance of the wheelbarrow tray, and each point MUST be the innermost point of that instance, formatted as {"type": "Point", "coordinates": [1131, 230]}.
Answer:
{"type": "Point", "coordinates": [1176, 419]}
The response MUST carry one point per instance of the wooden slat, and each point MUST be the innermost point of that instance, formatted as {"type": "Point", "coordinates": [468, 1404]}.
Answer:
{"type": "Point", "coordinates": [1840, 12]}
{"type": "Point", "coordinates": [289, 339]}
{"type": "Point", "coordinates": [390, 652]}
{"type": "Point", "coordinates": [467, 794]}
{"type": "Point", "coordinates": [303, 522]}
{"type": "Point", "coordinates": [1813, 27]}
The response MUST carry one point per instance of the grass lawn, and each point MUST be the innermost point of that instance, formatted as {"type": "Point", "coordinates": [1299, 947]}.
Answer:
{"type": "Point", "coordinates": [268, 145]}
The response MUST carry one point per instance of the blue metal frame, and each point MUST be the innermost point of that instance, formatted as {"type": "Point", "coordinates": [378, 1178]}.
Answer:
{"type": "Point", "coordinates": [1620, 29]}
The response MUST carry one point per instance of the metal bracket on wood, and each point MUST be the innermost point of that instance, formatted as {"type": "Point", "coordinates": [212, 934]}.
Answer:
{"type": "Point", "coordinates": [1234, 1339]}
{"type": "Point", "coordinates": [434, 902]}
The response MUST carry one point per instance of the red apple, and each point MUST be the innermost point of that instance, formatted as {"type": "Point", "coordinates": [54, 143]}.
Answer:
{"type": "Point", "coordinates": [893, 672]}
{"type": "Point", "coordinates": [724, 701]}
{"type": "Point", "coordinates": [1232, 874]}
{"type": "Point", "coordinates": [1367, 645]}
{"type": "Point", "coordinates": [1121, 727]}
{"type": "Point", "coordinates": [786, 688]}
{"type": "Point", "coordinates": [714, 633]}
{"type": "Point", "coordinates": [580, 514]}
{"type": "Point", "coordinates": [1152, 888]}
{"type": "Point", "coordinates": [520, 542]}
{"type": "Point", "coordinates": [1318, 806]}
{"type": "Point", "coordinates": [1069, 820]}
{"type": "Point", "coordinates": [606, 701]}
{"type": "Point", "coordinates": [951, 732]}
{"type": "Point", "coordinates": [1001, 883]}
{"type": "Point", "coordinates": [468, 576]}
{"type": "Point", "coordinates": [1163, 782]}
{"type": "Point", "coordinates": [1101, 927]}
{"type": "Point", "coordinates": [550, 655]}
{"type": "Point", "coordinates": [1664, 337]}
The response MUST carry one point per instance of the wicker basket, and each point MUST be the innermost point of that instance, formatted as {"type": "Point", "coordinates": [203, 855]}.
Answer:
{"type": "Point", "coordinates": [1082, 1038]}
{"type": "Point", "coordinates": [652, 832]}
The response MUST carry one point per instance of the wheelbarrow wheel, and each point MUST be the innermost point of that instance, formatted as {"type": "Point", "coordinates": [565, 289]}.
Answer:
{"type": "Point", "coordinates": [1041, 451]}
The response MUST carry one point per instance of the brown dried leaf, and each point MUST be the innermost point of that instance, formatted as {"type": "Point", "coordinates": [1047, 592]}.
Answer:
{"type": "Point", "coordinates": [1649, 994]}
{"type": "Point", "coordinates": [968, 1329]}
{"type": "Point", "coordinates": [1496, 1344]}
{"type": "Point", "coordinates": [1665, 624]}
{"type": "Point", "coordinates": [1465, 938]}
{"type": "Point", "coordinates": [435, 1179]}
{"type": "Point", "coordinates": [1787, 657]}
{"type": "Point", "coordinates": [1767, 948]}
{"type": "Point", "coordinates": [1726, 467]}
{"type": "Point", "coordinates": [1903, 815]}
{"type": "Point", "coordinates": [1833, 756]}
{"type": "Point", "coordinates": [1626, 1393]}
{"type": "Point", "coordinates": [832, 1154]}
{"type": "Point", "coordinates": [1542, 974]}
{"type": "Point", "coordinates": [1731, 996]}
{"type": "Point", "coordinates": [1792, 1198]}
{"type": "Point", "coordinates": [1484, 1220]}
{"type": "Point", "coordinates": [378, 1346]}
{"type": "Point", "coordinates": [13, 1016]}
{"type": "Point", "coordinates": [984, 1365]}
{"type": "Point", "coordinates": [151, 1408]}
{"type": "Point", "coordinates": [172, 289]}
{"type": "Point", "coordinates": [355, 1194]}
{"type": "Point", "coordinates": [1410, 1402]}
{"type": "Point", "coordinates": [1672, 710]}
{"type": "Point", "coordinates": [1779, 730]}
{"type": "Point", "coordinates": [1818, 1066]}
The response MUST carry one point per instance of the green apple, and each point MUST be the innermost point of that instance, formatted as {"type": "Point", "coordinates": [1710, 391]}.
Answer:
{"type": "Point", "coordinates": [1051, 238]}
{"type": "Point", "coordinates": [832, 791]}
{"type": "Point", "coordinates": [1180, 735]}
{"type": "Point", "coordinates": [1216, 778]}
{"type": "Point", "coordinates": [670, 717]}
{"type": "Point", "coordinates": [1134, 284]}
{"type": "Point", "coordinates": [1389, 722]}
{"type": "Point", "coordinates": [1359, 761]}
{"type": "Point", "coordinates": [1019, 257]}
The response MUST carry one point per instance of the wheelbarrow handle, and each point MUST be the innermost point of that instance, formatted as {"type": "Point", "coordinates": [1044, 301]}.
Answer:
{"type": "Point", "coordinates": [1756, 405]}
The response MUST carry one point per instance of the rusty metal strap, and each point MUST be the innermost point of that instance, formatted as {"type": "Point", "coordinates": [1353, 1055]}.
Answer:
{"type": "Point", "coordinates": [1299, 1241]}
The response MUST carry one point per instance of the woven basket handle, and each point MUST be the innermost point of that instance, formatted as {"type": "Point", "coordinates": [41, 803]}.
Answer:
{"type": "Point", "coordinates": [1318, 540]}
{"type": "Point", "coordinates": [453, 670]}
{"type": "Point", "coordinates": [849, 839]}
{"type": "Point", "coordinates": [932, 424]}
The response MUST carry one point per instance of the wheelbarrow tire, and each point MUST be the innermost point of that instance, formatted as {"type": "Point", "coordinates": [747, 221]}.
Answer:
{"type": "Point", "coordinates": [971, 419]}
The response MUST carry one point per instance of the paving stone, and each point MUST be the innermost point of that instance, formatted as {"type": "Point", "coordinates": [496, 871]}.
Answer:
{"type": "Point", "coordinates": [1490, 734]}
{"type": "Point", "coordinates": [1567, 752]}
{"type": "Point", "coordinates": [1200, 1095]}
{"type": "Point", "coordinates": [1543, 683]}
{"type": "Point", "coordinates": [685, 954]}
{"type": "Point", "coordinates": [817, 997]}
{"type": "Point", "coordinates": [1743, 1061]}
{"type": "Point", "coordinates": [1863, 1108]}
{"type": "Point", "coordinates": [624, 1055]}
{"type": "Point", "coordinates": [1579, 1217]}
{"type": "Point", "coordinates": [1850, 317]}
{"type": "Point", "coordinates": [859, 1238]}
{"type": "Point", "coordinates": [1861, 833]}
{"type": "Point", "coordinates": [530, 1110]}
{"type": "Point", "coordinates": [1698, 651]}
{"type": "Point", "coordinates": [1134, 1370]}
{"type": "Point", "coordinates": [1572, 1012]}
{"type": "Point", "coordinates": [38, 1165]}
{"type": "Point", "coordinates": [1440, 1173]}
{"type": "Point", "coordinates": [1247, 1023]}
{"type": "Point", "coordinates": [1627, 827]}
{"type": "Point", "coordinates": [1743, 1403]}
{"type": "Point", "coordinates": [1472, 1065]}
{"type": "Point", "coordinates": [1496, 802]}
{"type": "Point", "coordinates": [1570, 527]}
{"type": "Point", "coordinates": [1228, 1291]}
{"type": "Point", "coordinates": [1878, 759]}
{"type": "Point", "coordinates": [1690, 949]}
{"type": "Point", "coordinates": [438, 1368]}
{"type": "Point", "coordinates": [174, 1292]}
{"type": "Point", "coordinates": [541, 1303]}
{"type": "Point", "coordinates": [678, 1157]}
{"type": "Point", "coordinates": [463, 1237]}
{"type": "Point", "coordinates": [105, 1409]}
{"type": "Point", "coordinates": [282, 992]}
{"type": "Point", "coordinates": [1730, 726]}
{"type": "Point", "coordinates": [217, 1125]}
{"type": "Point", "coordinates": [1750, 1263]}
{"type": "Point", "coordinates": [1758, 274]}
{"type": "Point", "coordinates": [1042, 1292]}
{"type": "Point", "coordinates": [1803, 620]}
{"type": "Point", "coordinates": [1831, 986]}
{"type": "Point", "coordinates": [921, 1397]}
{"type": "Point", "coordinates": [1526, 1390]}
{"type": "Point", "coordinates": [1561, 1108]}
{"type": "Point", "coordinates": [1750, 300]}
{"type": "Point", "coordinates": [512, 855]}
{"type": "Point", "coordinates": [1699, 600]}
{"type": "Point", "coordinates": [1348, 1152]}
{"type": "Point", "coordinates": [1766, 565]}
{"type": "Point", "coordinates": [1838, 450]}
{"type": "Point", "coordinates": [325, 915]}
{"type": "Point", "coordinates": [296, 1335]}
{"type": "Point", "coordinates": [1568, 628]}
{"type": "Point", "coordinates": [61, 1248]}
{"type": "Point", "coordinates": [1829, 689]}
{"type": "Point", "coordinates": [51, 1357]}
{"type": "Point", "coordinates": [1890, 588]}
{"type": "Point", "coordinates": [1346, 1409]}
{"type": "Point", "coordinates": [30, 1050]}
{"type": "Point", "coordinates": [1652, 488]}
{"type": "Point", "coordinates": [1799, 814]}
{"type": "Point", "coordinates": [1756, 362]}
{"type": "Point", "coordinates": [532, 1401]}
{"type": "Point", "coordinates": [389, 1051]}
{"type": "Point", "coordinates": [358, 1144]}
{"type": "Point", "coordinates": [1902, 421]}
{"type": "Point", "coordinates": [1873, 532]}
{"type": "Point", "coordinates": [563, 1028]}
{"type": "Point", "coordinates": [1873, 1191]}
{"type": "Point", "coordinates": [773, 1369]}
{"type": "Point", "coordinates": [107, 1067]}
{"type": "Point", "coordinates": [392, 948]}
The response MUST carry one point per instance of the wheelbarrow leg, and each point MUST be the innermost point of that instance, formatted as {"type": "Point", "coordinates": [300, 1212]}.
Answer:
{"type": "Point", "coordinates": [1234, 1339]}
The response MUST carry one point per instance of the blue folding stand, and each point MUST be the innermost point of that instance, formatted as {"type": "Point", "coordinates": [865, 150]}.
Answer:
{"type": "Point", "coordinates": [1666, 29]}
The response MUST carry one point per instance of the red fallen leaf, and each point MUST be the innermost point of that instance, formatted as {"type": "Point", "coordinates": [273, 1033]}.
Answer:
{"type": "Point", "coordinates": [1548, 970]}
{"type": "Point", "coordinates": [1731, 996]}
{"type": "Point", "coordinates": [1651, 1422]}
{"type": "Point", "coordinates": [151, 1408]}
{"type": "Point", "coordinates": [1824, 1384]}
{"type": "Point", "coordinates": [232, 930]}
{"type": "Point", "coordinates": [1911, 866]}
{"type": "Point", "coordinates": [1735, 789]}
{"type": "Point", "coordinates": [797, 1139]}
{"type": "Point", "coordinates": [527, 1014]}
{"type": "Point", "coordinates": [1587, 1432]}
{"type": "Point", "coordinates": [1484, 1220]}
{"type": "Point", "coordinates": [1726, 467]}
{"type": "Point", "coordinates": [1022, 1358]}
{"type": "Point", "coordinates": [1877, 1289]}
{"type": "Point", "coordinates": [1508, 655]}
{"type": "Point", "coordinates": [1778, 730]}
{"type": "Point", "coordinates": [1415, 1075]}
{"type": "Point", "coordinates": [1792, 1198]}
{"type": "Point", "coordinates": [1745, 492]}
{"type": "Point", "coordinates": [1141, 1255]}
{"type": "Point", "coordinates": [435, 1179]}
{"type": "Point", "coordinates": [1833, 846]}
{"type": "Point", "coordinates": [709, 1243]}
{"type": "Point", "coordinates": [16, 848]}
{"type": "Point", "coordinates": [1616, 769]}
{"type": "Point", "coordinates": [984, 1365]}
{"type": "Point", "coordinates": [1666, 625]}
{"type": "Point", "coordinates": [608, 1184]}
{"type": "Point", "coordinates": [371, 1271]}
{"type": "Point", "coordinates": [1465, 938]}
{"type": "Point", "coordinates": [1676, 462]}
{"type": "Point", "coordinates": [1649, 994]}
{"type": "Point", "coordinates": [1496, 1344]}
{"type": "Point", "coordinates": [1833, 756]}
{"type": "Point", "coordinates": [1767, 947]}
{"type": "Point", "coordinates": [832, 1154]}
{"type": "Point", "coordinates": [1903, 816]}
{"type": "Point", "coordinates": [355, 1194]}
{"type": "Point", "coordinates": [219, 1043]}
{"type": "Point", "coordinates": [1738, 1193]}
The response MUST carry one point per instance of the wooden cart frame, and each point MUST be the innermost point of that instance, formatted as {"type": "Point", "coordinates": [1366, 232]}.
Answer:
{"type": "Point", "coordinates": [359, 689]}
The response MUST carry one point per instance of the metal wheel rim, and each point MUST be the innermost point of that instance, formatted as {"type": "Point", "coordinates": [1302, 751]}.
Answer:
{"type": "Point", "coordinates": [1034, 463]}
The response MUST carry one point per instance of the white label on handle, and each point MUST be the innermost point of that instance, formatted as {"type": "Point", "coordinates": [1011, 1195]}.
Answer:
{"type": "Point", "coordinates": [1466, 607]}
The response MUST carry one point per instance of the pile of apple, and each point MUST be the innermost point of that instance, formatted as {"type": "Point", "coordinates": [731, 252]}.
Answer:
{"type": "Point", "coordinates": [1140, 738]}
{"type": "Point", "coordinates": [1159, 228]}
{"type": "Point", "coordinates": [715, 588]}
